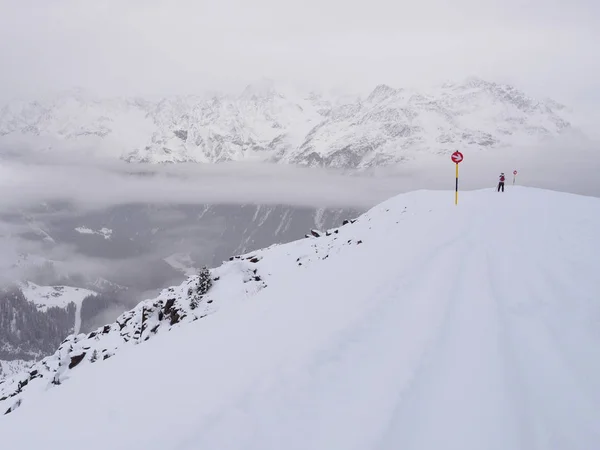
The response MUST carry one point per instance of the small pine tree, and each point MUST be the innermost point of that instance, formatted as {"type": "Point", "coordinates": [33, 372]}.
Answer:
{"type": "Point", "coordinates": [204, 281]}
{"type": "Point", "coordinates": [94, 357]}
{"type": "Point", "coordinates": [202, 286]}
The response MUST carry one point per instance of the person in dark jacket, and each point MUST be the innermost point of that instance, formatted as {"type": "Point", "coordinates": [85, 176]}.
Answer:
{"type": "Point", "coordinates": [501, 182]}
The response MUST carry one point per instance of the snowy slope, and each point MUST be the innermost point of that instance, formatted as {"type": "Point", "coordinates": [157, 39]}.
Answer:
{"type": "Point", "coordinates": [421, 325]}
{"type": "Point", "coordinates": [9, 368]}
{"type": "Point", "coordinates": [269, 122]}
{"type": "Point", "coordinates": [59, 296]}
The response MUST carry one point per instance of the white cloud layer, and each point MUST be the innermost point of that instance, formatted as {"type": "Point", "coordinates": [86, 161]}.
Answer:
{"type": "Point", "coordinates": [92, 183]}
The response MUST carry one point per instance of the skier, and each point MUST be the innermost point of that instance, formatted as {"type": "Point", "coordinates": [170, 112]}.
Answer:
{"type": "Point", "coordinates": [501, 183]}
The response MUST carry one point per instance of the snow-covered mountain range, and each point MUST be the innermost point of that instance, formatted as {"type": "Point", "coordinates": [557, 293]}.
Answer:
{"type": "Point", "coordinates": [270, 123]}
{"type": "Point", "coordinates": [419, 325]}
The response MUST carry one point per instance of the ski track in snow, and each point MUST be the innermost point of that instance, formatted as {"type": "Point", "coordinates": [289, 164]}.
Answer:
{"type": "Point", "coordinates": [463, 331]}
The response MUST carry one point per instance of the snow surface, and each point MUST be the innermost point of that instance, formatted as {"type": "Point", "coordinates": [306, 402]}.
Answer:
{"type": "Point", "coordinates": [56, 296]}
{"type": "Point", "coordinates": [422, 325]}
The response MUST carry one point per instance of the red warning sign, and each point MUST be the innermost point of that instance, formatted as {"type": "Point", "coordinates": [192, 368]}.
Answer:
{"type": "Point", "coordinates": [457, 157]}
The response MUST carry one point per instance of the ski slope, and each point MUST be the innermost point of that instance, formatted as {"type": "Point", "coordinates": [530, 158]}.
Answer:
{"type": "Point", "coordinates": [421, 326]}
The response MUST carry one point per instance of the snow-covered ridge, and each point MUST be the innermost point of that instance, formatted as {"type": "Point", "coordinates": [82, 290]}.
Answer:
{"type": "Point", "coordinates": [53, 296]}
{"type": "Point", "coordinates": [269, 123]}
{"type": "Point", "coordinates": [176, 305]}
{"type": "Point", "coordinates": [45, 297]}
{"type": "Point", "coordinates": [199, 296]}
{"type": "Point", "coordinates": [420, 325]}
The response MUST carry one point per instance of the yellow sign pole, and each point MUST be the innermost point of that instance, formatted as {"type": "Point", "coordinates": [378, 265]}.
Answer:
{"type": "Point", "coordinates": [456, 188]}
{"type": "Point", "coordinates": [456, 157]}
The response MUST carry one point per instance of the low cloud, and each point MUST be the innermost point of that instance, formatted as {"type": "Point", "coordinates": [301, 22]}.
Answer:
{"type": "Point", "coordinates": [33, 179]}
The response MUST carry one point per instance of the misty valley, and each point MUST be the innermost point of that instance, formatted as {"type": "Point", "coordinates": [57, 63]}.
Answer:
{"type": "Point", "coordinates": [124, 254]}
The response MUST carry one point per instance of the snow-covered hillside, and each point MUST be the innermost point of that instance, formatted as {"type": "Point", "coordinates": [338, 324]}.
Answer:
{"type": "Point", "coordinates": [45, 297]}
{"type": "Point", "coordinates": [421, 325]}
{"type": "Point", "coordinates": [8, 368]}
{"type": "Point", "coordinates": [270, 123]}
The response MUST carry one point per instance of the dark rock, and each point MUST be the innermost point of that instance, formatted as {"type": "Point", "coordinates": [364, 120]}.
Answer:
{"type": "Point", "coordinates": [345, 222]}
{"type": "Point", "coordinates": [13, 407]}
{"type": "Point", "coordinates": [254, 260]}
{"type": "Point", "coordinates": [181, 134]}
{"type": "Point", "coordinates": [106, 329]}
{"type": "Point", "coordinates": [359, 242]}
{"type": "Point", "coordinates": [175, 318]}
{"type": "Point", "coordinates": [121, 326]}
{"type": "Point", "coordinates": [169, 305]}
{"type": "Point", "coordinates": [315, 233]}
{"type": "Point", "coordinates": [76, 360]}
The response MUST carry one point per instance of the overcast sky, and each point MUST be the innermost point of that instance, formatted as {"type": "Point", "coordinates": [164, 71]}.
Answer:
{"type": "Point", "coordinates": [546, 47]}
